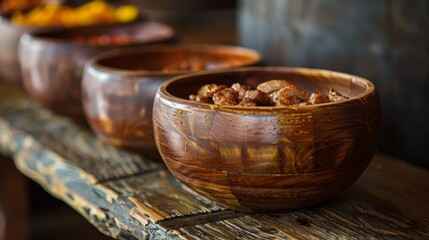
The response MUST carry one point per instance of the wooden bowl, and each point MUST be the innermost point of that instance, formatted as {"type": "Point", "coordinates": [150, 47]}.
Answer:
{"type": "Point", "coordinates": [267, 159]}
{"type": "Point", "coordinates": [52, 61]}
{"type": "Point", "coordinates": [119, 87]}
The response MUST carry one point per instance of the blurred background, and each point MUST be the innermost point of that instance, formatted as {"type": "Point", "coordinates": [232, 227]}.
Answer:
{"type": "Point", "coordinates": [384, 41]}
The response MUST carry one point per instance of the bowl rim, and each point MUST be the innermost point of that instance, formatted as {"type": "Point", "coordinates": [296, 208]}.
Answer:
{"type": "Point", "coordinates": [39, 36]}
{"type": "Point", "coordinates": [165, 95]}
{"type": "Point", "coordinates": [94, 62]}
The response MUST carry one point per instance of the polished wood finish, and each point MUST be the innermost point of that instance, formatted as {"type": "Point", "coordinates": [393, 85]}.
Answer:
{"type": "Point", "coordinates": [119, 87]}
{"type": "Point", "coordinates": [267, 158]}
{"type": "Point", "coordinates": [52, 61]}
{"type": "Point", "coordinates": [126, 197]}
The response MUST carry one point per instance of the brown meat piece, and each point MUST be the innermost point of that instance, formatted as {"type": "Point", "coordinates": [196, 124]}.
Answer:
{"type": "Point", "coordinates": [282, 93]}
{"type": "Point", "coordinates": [259, 97]}
{"type": "Point", "coordinates": [289, 95]}
{"type": "Point", "coordinates": [241, 89]}
{"type": "Point", "coordinates": [287, 100]}
{"type": "Point", "coordinates": [271, 86]}
{"type": "Point", "coordinates": [316, 98]}
{"type": "Point", "coordinates": [210, 89]}
{"type": "Point", "coordinates": [226, 97]}
{"type": "Point", "coordinates": [201, 99]}
{"type": "Point", "coordinates": [247, 102]}
{"type": "Point", "coordinates": [335, 96]}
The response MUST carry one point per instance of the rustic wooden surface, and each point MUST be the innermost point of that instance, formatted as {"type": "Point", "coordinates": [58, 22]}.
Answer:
{"type": "Point", "coordinates": [128, 197]}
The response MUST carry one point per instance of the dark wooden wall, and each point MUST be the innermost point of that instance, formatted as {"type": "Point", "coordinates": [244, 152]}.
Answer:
{"type": "Point", "coordinates": [384, 41]}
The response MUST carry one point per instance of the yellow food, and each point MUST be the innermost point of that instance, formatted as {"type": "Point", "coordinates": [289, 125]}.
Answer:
{"type": "Point", "coordinates": [18, 5]}
{"type": "Point", "coordinates": [91, 13]}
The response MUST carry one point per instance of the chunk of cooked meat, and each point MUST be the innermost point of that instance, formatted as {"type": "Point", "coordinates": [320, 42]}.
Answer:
{"type": "Point", "coordinates": [201, 99]}
{"type": "Point", "coordinates": [259, 97]}
{"type": "Point", "coordinates": [241, 89]}
{"type": "Point", "coordinates": [287, 100]}
{"type": "Point", "coordinates": [289, 95]}
{"type": "Point", "coordinates": [316, 98]}
{"type": "Point", "coordinates": [271, 86]}
{"type": "Point", "coordinates": [335, 96]}
{"type": "Point", "coordinates": [270, 93]}
{"type": "Point", "coordinates": [247, 102]}
{"type": "Point", "coordinates": [209, 89]}
{"type": "Point", "coordinates": [226, 97]}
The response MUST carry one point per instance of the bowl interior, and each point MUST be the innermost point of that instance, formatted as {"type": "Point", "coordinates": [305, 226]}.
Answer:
{"type": "Point", "coordinates": [314, 81]}
{"type": "Point", "coordinates": [155, 58]}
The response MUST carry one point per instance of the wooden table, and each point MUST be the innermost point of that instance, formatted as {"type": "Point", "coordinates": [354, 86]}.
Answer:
{"type": "Point", "coordinates": [128, 197]}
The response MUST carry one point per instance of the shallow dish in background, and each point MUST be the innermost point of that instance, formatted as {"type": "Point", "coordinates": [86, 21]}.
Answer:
{"type": "Point", "coordinates": [267, 159]}
{"type": "Point", "coordinates": [52, 61]}
{"type": "Point", "coordinates": [119, 87]}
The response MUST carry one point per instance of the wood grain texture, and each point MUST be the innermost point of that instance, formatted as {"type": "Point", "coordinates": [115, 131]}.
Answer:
{"type": "Point", "coordinates": [146, 202]}
{"type": "Point", "coordinates": [28, 126]}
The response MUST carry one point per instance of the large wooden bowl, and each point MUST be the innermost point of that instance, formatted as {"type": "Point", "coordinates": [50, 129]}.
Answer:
{"type": "Point", "coordinates": [119, 87]}
{"type": "Point", "coordinates": [267, 159]}
{"type": "Point", "coordinates": [52, 61]}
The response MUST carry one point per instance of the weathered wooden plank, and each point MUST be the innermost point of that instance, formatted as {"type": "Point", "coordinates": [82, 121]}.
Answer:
{"type": "Point", "coordinates": [69, 184]}
{"type": "Point", "coordinates": [243, 227]}
{"type": "Point", "coordinates": [159, 196]}
{"type": "Point", "coordinates": [346, 218]}
{"type": "Point", "coordinates": [22, 119]}
{"type": "Point", "coordinates": [343, 221]}
{"type": "Point", "coordinates": [71, 164]}
{"type": "Point", "coordinates": [394, 186]}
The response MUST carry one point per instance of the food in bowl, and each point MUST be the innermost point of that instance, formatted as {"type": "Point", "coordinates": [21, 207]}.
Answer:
{"type": "Point", "coordinates": [267, 158]}
{"type": "Point", "coordinates": [270, 93]}
{"type": "Point", "coordinates": [7, 6]}
{"type": "Point", "coordinates": [91, 13]}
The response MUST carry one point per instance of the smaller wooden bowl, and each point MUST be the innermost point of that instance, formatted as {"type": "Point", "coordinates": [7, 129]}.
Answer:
{"type": "Point", "coordinates": [52, 61]}
{"type": "Point", "coordinates": [267, 159]}
{"type": "Point", "coordinates": [119, 87]}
